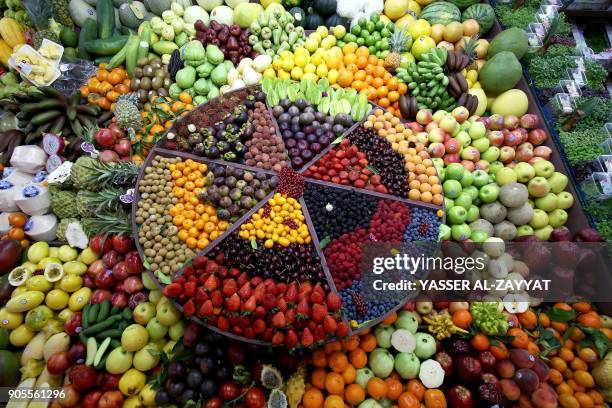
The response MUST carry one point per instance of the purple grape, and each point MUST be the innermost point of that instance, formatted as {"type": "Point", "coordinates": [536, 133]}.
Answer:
{"type": "Point", "coordinates": [316, 147]}
{"type": "Point", "coordinates": [307, 155]}
{"type": "Point", "coordinates": [311, 138]}
{"type": "Point", "coordinates": [289, 143]}
{"type": "Point", "coordinates": [302, 145]}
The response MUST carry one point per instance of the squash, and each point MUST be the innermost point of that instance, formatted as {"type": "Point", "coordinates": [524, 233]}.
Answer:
{"type": "Point", "coordinates": [80, 11]}
{"type": "Point", "coordinates": [335, 20]}
{"type": "Point", "coordinates": [325, 7]}
{"type": "Point", "coordinates": [313, 20]}
{"type": "Point", "coordinates": [12, 32]}
{"type": "Point", "coordinates": [5, 53]}
{"type": "Point", "coordinates": [299, 15]}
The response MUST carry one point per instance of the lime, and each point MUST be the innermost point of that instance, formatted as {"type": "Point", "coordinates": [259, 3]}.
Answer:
{"type": "Point", "coordinates": [384, 44]}
{"type": "Point", "coordinates": [360, 41]}
{"type": "Point", "coordinates": [362, 22]}
{"type": "Point", "coordinates": [9, 375]}
{"type": "Point", "coordinates": [385, 32]}
{"type": "Point", "coordinates": [380, 25]}
{"type": "Point", "coordinates": [370, 26]}
{"type": "Point", "coordinates": [356, 29]}
{"type": "Point", "coordinates": [68, 37]}
{"type": "Point", "coordinates": [375, 17]}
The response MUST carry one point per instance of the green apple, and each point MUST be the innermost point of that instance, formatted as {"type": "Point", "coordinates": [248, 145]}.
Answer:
{"type": "Point", "coordinates": [467, 179]}
{"type": "Point", "coordinates": [558, 182]}
{"type": "Point", "coordinates": [472, 191]}
{"type": "Point", "coordinates": [557, 218]}
{"type": "Point", "coordinates": [455, 171]}
{"type": "Point", "coordinates": [505, 176]}
{"type": "Point", "coordinates": [463, 138]}
{"type": "Point", "coordinates": [543, 168]}
{"type": "Point", "coordinates": [146, 358]}
{"type": "Point", "coordinates": [407, 365]}
{"type": "Point", "coordinates": [425, 346]}
{"type": "Point", "coordinates": [156, 330]}
{"type": "Point", "coordinates": [147, 281]}
{"type": "Point", "coordinates": [479, 236]}
{"type": "Point", "coordinates": [524, 230]}
{"type": "Point", "coordinates": [464, 200]}
{"type": "Point", "coordinates": [452, 188]}
{"type": "Point", "coordinates": [547, 203]}
{"type": "Point", "coordinates": [155, 296]}
{"type": "Point", "coordinates": [167, 314]}
{"type": "Point", "coordinates": [119, 361]}
{"type": "Point", "coordinates": [481, 144]}
{"type": "Point", "coordinates": [539, 219]}
{"type": "Point", "coordinates": [144, 312]}
{"type": "Point", "coordinates": [473, 213]}
{"type": "Point", "coordinates": [489, 193]}
{"type": "Point", "coordinates": [460, 232]}
{"type": "Point", "coordinates": [67, 253]}
{"type": "Point", "coordinates": [177, 330]}
{"type": "Point", "coordinates": [477, 130]}
{"type": "Point", "coordinates": [134, 337]}
{"type": "Point", "coordinates": [448, 203]}
{"type": "Point", "coordinates": [480, 178]}
{"type": "Point", "coordinates": [491, 154]}
{"type": "Point", "coordinates": [524, 172]}
{"type": "Point", "coordinates": [444, 233]}
{"type": "Point", "coordinates": [565, 200]}
{"type": "Point", "coordinates": [38, 251]}
{"type": "Point", "coordinates": [495, 166]}
{"type": "Point", "coordinates": [457, 215]}
{"type": "Point", "coordinates": [544, 232]}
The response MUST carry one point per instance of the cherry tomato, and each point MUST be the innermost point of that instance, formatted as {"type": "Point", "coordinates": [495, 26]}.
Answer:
{"type": "Point", "coordinates": [214, 402]}
{"type": "Point", "coordinates": [255, 398]}
{"type": "Point", "coordinates": [228, 391]}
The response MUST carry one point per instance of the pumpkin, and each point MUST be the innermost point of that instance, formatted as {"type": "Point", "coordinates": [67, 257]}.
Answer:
{"type": "Point", "coordinates": [299, 15]}
{"type": "Point", "coordinates": [5, 53]}
{"type": "Point", "coordinates": [313, 20]}
{"type": "Point", "coordinates": [12, 32]}
{"type": "Point", "coordinates": [325, 7]}
{"type": "Point", "coordinates": [335, 20]}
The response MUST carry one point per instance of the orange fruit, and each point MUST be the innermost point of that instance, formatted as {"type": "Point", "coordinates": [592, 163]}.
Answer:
{"type": "Point", "coordinates": [394, 388]}
{"type": "Point", "coordinates": [354, 394]}
{"type": "Point", "coordinates": [313, 398]}
{"type": "Point", "coordinates": [334, 383]}
{"type": "Point", "coordinates": [345, 78]}
{"type": "Point", "coordinates": [319, 358]}
{"type": "Point", "coordinates": [358, 358]}
{"type": "Point", "coordinates": [333, 401]}
{"type": "Point", "coordinates": [317, 378]}
{"type": "Point", "coordinates": [367, 342]}
{"type": "Point", "coordinates": [584, 378]}
{"type": "Point", "coordinates": [349, 374]}
{"type": "Point", "coordinates": [350, 343]}
{"type": "Point", "coordinates": [408, 400]}
{"type": "Point", "coordinates": [584, 400]}
{"type": "Point", "coordinates": [568, 401]}
{"type": "Point", "coordinates": [338, 361]}
{"type": "Point", "coordinates": [377, 388]}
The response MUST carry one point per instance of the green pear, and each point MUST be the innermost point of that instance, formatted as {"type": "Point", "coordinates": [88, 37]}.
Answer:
{"type": "Point", "coordinates": [177, 330]}
{"type": "Point", "coordinates": [167, 314]}
{"type": "Point", "coordinates": [146, 358]}
{"type": "Point", "coordinates": [144, 312]}
{"type": "Point", "coordinates": [157, 331]}
{"type": "Point", "coordinates": [119, 361]}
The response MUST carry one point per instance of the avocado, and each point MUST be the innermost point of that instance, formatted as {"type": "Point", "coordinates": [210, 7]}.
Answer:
{"type": "Point", "coordinates": [513, 39]}
{"type": "Point", "coordinates": [500, 73]}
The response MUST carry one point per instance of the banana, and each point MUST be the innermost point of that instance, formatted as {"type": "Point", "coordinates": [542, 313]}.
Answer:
{"type": "Point", "coordinates": [92, 110]}
{"type": "Point", "coordinates": [52, 93]}
{"type": "Point", "coordinates": [462, 82]}
{"type": "Point", "coordinates": [462, 99]}
{"type": "Point", "coordinates": [71, 111]}
{"type": "Point", "coordinates": [76, 127]}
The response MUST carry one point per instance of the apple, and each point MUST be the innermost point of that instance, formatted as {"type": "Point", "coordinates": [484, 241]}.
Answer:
{"type": "Point", "coordinates": [543, 152]}
{"type": "Point", "coordinates": [538, 187]}
{"type": "Point", "coordinates": [491, 154]}
{"type": "Point", "coordinates": [496, 122]}
{"type": "Point", "coordinates": [524, 134]}
{"type": "Point", "coordinates": [436, 136]}
{"type": "Point", "coordinates": [473, 213]}
{"type": "Point", "coordinates": [421, 137]}
{"type": "Point", "coordinates": [463, 138]}
{"type": "Point", "coordinates": [460, 114]}
{"type": "Point", "coordinates": [543, 233]}
{"type": "Point", "coordinates": [496, 137]}
{"type": "Point", "coordinates": [557, 218]}
{"type": "Point", "coordinates": [438, 115]}
{"type": "Point", "coordinates": [448, 203]}
{"type": "Point", "coordinates": [529, 121]}
{"type": "Point", "coordinates": [481, 144]}
{"type": "Point", "coordinates": [506, 154]}
{"type": "Point", "coordinates": [539, 219]}
{"type": "Point", "coordinates": [472, 191]}
{"type": "Point", "coordinates": [565, 200]}
{"type": "Point", "coordinates": [157, 331]}
{"type": "Point", "coordinates": [460, 232]}
{"type": "Point", "coordinates": [452, 188]}
{"type": "Point", "coordinates": [547, 203]}
{"type": "Point", "coordinates": [467, 179]}
{"type": "Point", "coordinates": [524, 230]}
{"type": "Point", "coordinates": [457, 215]}
{"type": "Point", "coordinates": [489, 193]}
{"type": "Point", "coordinates": [523, 154]}
{"type": "Point", "coordinates": [479, 236]}
{"type": "Point", "coordinates": [423, 116]}
{"type": "Point", "coordinates": [558, 182]}
{"type": "Point", "coordinates": [431, 126]}
{"type": "Point", "coordinates": [511, 122]}
{"type": "Point", "coordinates": [481, 178]}
{"type": "Point", "coordinates": [448, 124]}
{"type": "Point", "coordinates": [470, 153]}
{"type": "Point", "coordinates": [512, 138]}
{"type": "Point", "coordinates": [537, 136]}
{"type": "Point", "coordinates": [495, 166]}
{"type": "Point", "coordinates": [544, 168]}
{"type": "Point", "coordinates": [451, 158]}
{"type": "Point", "coordinates": [482, 165]}
{"type": "Point", "coordinates": [143, 313]}
{"type": "Point", "coordinates": [524, 172]}
{"type": "Point", "coordinates": [415, 127]}
{"type": "Point", "coordinates": [468, 164]}
{"type": "Point", "coordinates": [452, 145]}
{"type": "Point", "coordinates": [436, 149]}
{"type": "Point", "coordinates": [477, 130]}
{"type": "Point", "coordinates": [464, 200]}
{"type": "Point", "coordinates": [505, 176]}
{"type": "Point", "coordinates": [561, 234]}
{"type": "Point", "coordinates": [455, 171]}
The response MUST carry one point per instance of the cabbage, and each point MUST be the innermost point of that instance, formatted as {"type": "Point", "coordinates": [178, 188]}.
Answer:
{"type": "Point", "coordinates": [195, 13]}
{"type": "Point", "coordinates": [208, 5]}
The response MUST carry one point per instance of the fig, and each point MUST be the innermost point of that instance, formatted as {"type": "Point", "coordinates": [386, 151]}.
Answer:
{"type": "Point", "coordinates": [527, 380]}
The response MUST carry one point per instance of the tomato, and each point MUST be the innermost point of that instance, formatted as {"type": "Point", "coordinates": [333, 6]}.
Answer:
{"type": "Point", "coordinates": [255, 398]}
{"type": "Point", "coordinates": [214, 402]}
{"type": "Point", "coordinates": [229, 391]}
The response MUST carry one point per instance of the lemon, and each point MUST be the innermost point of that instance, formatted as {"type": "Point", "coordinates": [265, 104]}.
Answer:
{"type": "Point", "coordinates": [283, 75]}
{"type": "Point", "coordinates": [326, 44]}
{"type": "Point", "coordinates": [296, 73]}
{"type": "Point", "coordinates": [9, 320]}
{"type": "Point", "coordinates": [70, 283]}
{"type": "Point", "coordinates": [316, 36]}
{"type": "Point", "coordinates": [419, 28]}
{"type": "Point", "coordinates": [277, 64]}
{"type": "Point", "coordinates": [301, 61]}
{"type": "Point", "coordinates": [269, 73]}
{"type": "Point", "coordinates": [65, 315]}
{"type": "Point", "coordinates": [332, 76]}
{"type": "Point", "coordinates": [405, 22]}
{"type": "Point", "coordinates": [309, 76]}
{"type": "Point", "coordinates": [286, 54]}
{"type": "Point", "coordinates": [301, 51]}
{"type": "Point", "coordinates": [21, 336]}
{"type": "Point", "coordinates": [288, 64]}
{"type": "Point", "coordinates": [316, 59]}
{"type": "Point", "coordinates": [310, 68]}
{"type": "Point", "coordinates": [57, 299]}
{"type": "Point", "coordinates": [131, 382]}
{"type": "Point", "coordinates": [311, 44]}
{"type": "Point", "coordinates": [322, 31]}
{"type": "Point", "coordinates": [39, 282]}
{"type": "Point", "coordinates": [339, 31]}
{"type": "Point", "coordinates": [322, 71]}
{"type": "Point", "coordinates": [79, 299]}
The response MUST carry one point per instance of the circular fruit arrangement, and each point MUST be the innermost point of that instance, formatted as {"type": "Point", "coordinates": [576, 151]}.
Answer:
{"type": "Point", "coordinates": [255, 209]}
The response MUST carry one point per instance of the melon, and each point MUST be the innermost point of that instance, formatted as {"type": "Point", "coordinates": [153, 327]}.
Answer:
{"type": "Point", "coordinates": [513, 40]}
{"type": "Point", "coordinates": [500, 73]}
{"type": "Point", "coordinates": [462, 4]}
{"type": "Point", "coordinates": [512, 102]}
{"type": "Point", "coordinates": [441, 12]}
{"type": "Point", "coordinates": [481, 12]}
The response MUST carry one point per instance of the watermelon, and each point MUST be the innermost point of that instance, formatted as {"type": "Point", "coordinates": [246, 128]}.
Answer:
{"type": "Point", "coordinates": [483, 13]}
{"type": "Point", "coordinates": [462, 4]}
{"type": "Point", "coordinates": [441, 12]}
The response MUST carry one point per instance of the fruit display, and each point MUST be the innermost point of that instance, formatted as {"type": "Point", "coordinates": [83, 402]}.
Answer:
{"type": "Point", "coordinates": [302, 204]}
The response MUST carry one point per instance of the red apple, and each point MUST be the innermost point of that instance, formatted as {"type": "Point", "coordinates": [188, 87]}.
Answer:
{"type": "Point", "coordinates": [529, 121]}
{"type": "Point", "coordinates": [99, 295]}
{"type": "Point", "coordinates": [82, 376]}
{"type": "Point", "coordinates": [496, 137]}
{"type": "Point", "coordinates": [119, 299]}
{"type": "Point", "coordinates": [104, 137]}
{"type": "Point", "coordinates": [537, 136]}
{"type": "Point", "coordinates": [543, 151]}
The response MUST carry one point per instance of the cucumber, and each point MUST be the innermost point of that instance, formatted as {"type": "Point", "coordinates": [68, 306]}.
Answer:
{"type": "Point", "coordinates": [106, 18]}
{"type": "Point", "coordinates": [164, 47]}
{"type": "Point", "coordinates": [89, 32]}
{"type": "Point", "coordinates": [131, 55]}
{"type": "Point", "coordinates": [118, 58]}
{"type": "Point", "coordinates": [107, 47]}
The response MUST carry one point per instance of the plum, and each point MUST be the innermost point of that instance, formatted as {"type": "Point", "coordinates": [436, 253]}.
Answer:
{"type": "Point", "coordinates": [510, 390]}
{"type": "Point", "coordinates": [468, 368]}
{"type": "Point", "coordinates": [505, 369]}
{"type": "Point", "coordinates": [488, 361]}
{"type": "Point", "coordinates": [542, 370]}
{"type": "Point", "coordinates": [459, 397]}
{"type": "Point", "coordinates": [527, 380]}
{"type": "Point", "coordinates": [522, 358]}
{"type": "Point", "coordinates": [544, 397]}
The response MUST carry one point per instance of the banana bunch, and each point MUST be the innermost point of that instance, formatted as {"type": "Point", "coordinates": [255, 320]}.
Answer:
{"type": "Point", "coordinates": [46, 110]}
{"type": "Point", "coordinates": [427, 84]}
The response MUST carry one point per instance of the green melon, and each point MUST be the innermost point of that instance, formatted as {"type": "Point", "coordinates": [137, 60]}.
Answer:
{"type": "Point", "coordinates": [462, 4]}
{"type": "Point", "coordinates": [513, 39]}
{"type": "Point", "coordinates": [500, 73]}
{"type": "Point", "coordinates": [441, 12]}
{"type": "Point", "coordinates": [483, 13]}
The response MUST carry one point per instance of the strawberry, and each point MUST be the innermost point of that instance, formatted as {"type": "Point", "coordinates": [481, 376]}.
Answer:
{"type": "Point", "coordinates": [188, 271]}
{"type": "Point", "coordinates": [259, 326]}
{"type": "Point", "coordinates": [206, 309]}
{"type": "Point", "coordinates": [319, 334]}
{"type": "Point", "coordinates": [260, 312]}
{"type": "Point", "coordinates": [237, 330]}
{"type": "Point", "coordinates": [306, 338]}
{"type": "Point", "coordinates": [278, 339]}
{"type": "Point", "coordinates": [217, 298]}
{"type": "Point", "coordinates": [223, 324]}
{"type": "Point", "coordinates": [173, 290]}
{"type": "Point", "coordinates": [329, 324]}
{"type": "Point", "coordinates": [305, 287]}
{"type": "Point", "coordinates": [249, 305]}
{"type": "Point", "coordinates": [281, 287]}
{"type": "Point", "coordinates": [290, 316]}
{"type": "Point", "coordinates": [229, 287]}
{"type": "Point", "coordinates": [244, 321]}
{"type": "Point", "coordinates": [249, 333]}
{"type": "Point", "coordinates": [333, 302]}
{"type": "Point", "coordinates": [189, 308]}
{"type": "Point", "coordinates": [256, 280]}
{"type": "Point", "coordinates": [267, 334]}
{"type": "Point", "coordinates": [303, 309]}
{"type": "Point", "coordinates": [223, 273]}
{"type": "Point", "coordinates": [242, 279]}
{"type": "Point", "coordinates": [311, 325]}
{"type": "Point", "coordinates": [317, 295]}
{"type": "Point", "coordinates": [269, 301]}
{"type": "Point", "coordinates": [234, 272]}
{"type": "Point", "coordinates": [233, 303]}
{"type": "Point", "coordinates": [260, 291]}
{"type": "Point", "coordinates": [189, 289]}
{"type": "Point", "coordinates": [201, 296]}
{"type": "Point", "coordinates": [245, 291]}
{"type": "Point", "coordinates": [342, 330]}
{"type": "Point", "coordinates": [212, 283]}
{"type": "Point", "coordinates": [291, 339]}
{"type": "Point", "coordinates": [282, 305]}
{"type": "Point", "coordinates": [319, 311]}
{"type": "Point", "coordinates": [278, 320]}
{"type": "Point", "coordinates": [210, 267]}
{"type": "Point", "coordinates": [291, 295]}
{"type": "Point", "coordinates": [199, 262]}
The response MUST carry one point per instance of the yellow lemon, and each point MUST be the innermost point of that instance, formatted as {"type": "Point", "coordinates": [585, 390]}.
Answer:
{"type": "Point", "coordinates": [309, 76]}
{"type": "Point", "coordinates": [301, 61]}
{"type": "Point", "coordinates": [310, 68]}
{"type": "Point", "coordinates": [316, 59]}
{"type": "Point", "coordinates": [286, 54]}
{"type": "Point", "coordinates": [316, 36]}
{"type": "Point", "coordinates": [419, 28]}
{"type": "Point", "coordinates": [269, 73]}
{"type": "Point", "coordinates": [322, 31]}
{"type": "Point", "coordinates": [322, 71]}
{"type": "Point", "coordinates": [296, 73]}
{"type": "Point", "coordinates": [283, 75]}
{"type": "Point", "coordinates": [311, 44]}
{"type": "Point", "coordinates": [277, 63]}
{"type": "Point", "coordinates": [332, 76]}
{"type": "Point", "coordinates": [57, 299]}
{"type": "Point", "coordinates": [301, 51]}
{"type": "Point", "coordinates": [405, 22]}
{"type": "Point", "coordinates": [288, 64]}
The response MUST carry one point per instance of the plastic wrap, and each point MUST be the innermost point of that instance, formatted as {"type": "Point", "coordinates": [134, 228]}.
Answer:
{"type": "Point", "coordinates": [73, 74]}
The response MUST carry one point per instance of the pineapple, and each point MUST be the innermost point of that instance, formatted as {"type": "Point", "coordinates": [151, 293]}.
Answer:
{"type": "Point", "coordinates": [88, 203]}
{"type": "Point", "coordinates": [398, 42]}
{"type": "Point", "coordinates": [469, 49]}
{"type": "Point", "coordinates": [127, 113]}
{"type": "Point", "coordinates": [116, 223]}
{"type": "Point", "coordinates": [41, 13]}
{"type": "Point", "coordinates": [61, 13]}
{"type": "Point", "coordinates": [91, 174]}
{"type": "Point", "coordinates": [63, 203]}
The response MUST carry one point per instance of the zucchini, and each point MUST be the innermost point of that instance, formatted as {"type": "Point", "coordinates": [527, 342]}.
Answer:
{"type": "Point", "coordinates": [89, 32]}
{"type": "Point", "coordinates": [107, 47]}
{"type": "Point", "coordinates": [106, 19]}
